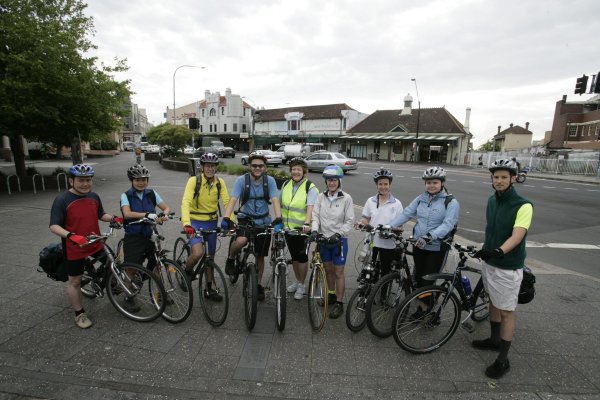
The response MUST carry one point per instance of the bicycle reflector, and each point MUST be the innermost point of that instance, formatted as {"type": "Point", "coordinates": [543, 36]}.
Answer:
{"type": "Point", "coordinates": [424, 295]}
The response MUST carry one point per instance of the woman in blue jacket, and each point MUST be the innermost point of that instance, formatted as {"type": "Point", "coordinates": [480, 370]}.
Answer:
{"type": "Point", "coordinates": [436, 218]}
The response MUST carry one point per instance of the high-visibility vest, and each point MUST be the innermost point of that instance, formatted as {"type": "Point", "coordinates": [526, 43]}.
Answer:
{"type": "Point", "coordinates": [293, 205]}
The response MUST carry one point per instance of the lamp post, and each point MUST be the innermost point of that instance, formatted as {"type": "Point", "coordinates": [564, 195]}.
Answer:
{"type": "Point", "coordinates": [418, 121]}
{"type": "Point", "coordinates": [251, 120]}
{"type": "Point", "coordinates": [175, 72]}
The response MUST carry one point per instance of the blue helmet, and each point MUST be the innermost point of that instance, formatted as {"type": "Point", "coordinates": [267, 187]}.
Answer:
{"type": "Point", "coordinates": [81, 170]}
{"type": "Point", "coordinates": [333, 171]}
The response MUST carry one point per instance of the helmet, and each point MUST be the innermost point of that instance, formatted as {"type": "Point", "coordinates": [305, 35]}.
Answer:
{"type": "Point", "coordinates": [505, 164]}
{"type": "Point", "coordinates": [81, 170]}
{"type": "Point", "coordinates": [298, 161]}
{"type": "Point", "coordinates": [434, 173]}
{"type": "Point", "coordinates": [210, 158]}
{"type": "Point", "coordinates": [333, 171]}
{"type": "Point", "coordinates": [138, 171]}
{"type": "Point", "coordinates": [255, 155]}
{"type": "Point", "coordinates": [383, 173]}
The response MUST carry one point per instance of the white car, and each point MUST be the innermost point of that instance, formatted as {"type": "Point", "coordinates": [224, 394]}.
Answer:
{"type": "Point", "coordinates": [144, 146]}
{"type": "Point", "coordinates": [153, 148]}
{"type": "Point", "coordinates": [188, 150]}
{"type": "Point", "coordinates": [272, 157]}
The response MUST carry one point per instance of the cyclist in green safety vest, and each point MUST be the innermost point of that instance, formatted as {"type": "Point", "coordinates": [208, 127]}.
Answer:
{"type": "Point", "coordinates": [298, 196]}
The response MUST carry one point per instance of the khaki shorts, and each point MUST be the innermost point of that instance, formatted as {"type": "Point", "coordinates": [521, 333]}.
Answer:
{"type": "Point", "coordinates": [502, 285]}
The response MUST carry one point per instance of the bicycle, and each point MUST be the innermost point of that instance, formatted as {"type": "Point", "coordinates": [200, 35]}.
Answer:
{"type": "Point", "coordinates": [123, 282]}
{"type": "Point", "coordinates": [317, 288]}
{"type": "Point", "coordinates": [390, 290]}
{"type": "Point", "coordinates": [429, 316]}
{"type": "Point", "coordinates": [214, 299]}
{"type": "Point", "coordinates": [279, 265]}
{"type": "Point", "coordinates": [171, 274]}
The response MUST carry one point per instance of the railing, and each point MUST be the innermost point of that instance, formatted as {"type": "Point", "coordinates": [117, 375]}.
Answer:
{"type": "Point", "coordinates": [33, 183]}
{"type": "Point", "coordinates": [8, 183]}
{"type": "Point", "coordinates": [58, 180]}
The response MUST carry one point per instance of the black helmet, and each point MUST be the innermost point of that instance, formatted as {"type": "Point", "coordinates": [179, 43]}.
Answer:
{"type": "Point", "coordinates": [138, 171]}
{"type": "Point", "coordinates": [506, 164]}
{"type": "Point", "coordinates": [383, 173]}
{"type": "Point", "coordinates": [298, 161]}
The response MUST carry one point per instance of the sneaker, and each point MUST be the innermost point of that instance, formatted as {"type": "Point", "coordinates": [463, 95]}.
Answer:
{"type": "Point", "coordinates": [497, 369]}
{"type": "Point", "coordinates": [337, 310]}
{"type": "Point", "coordinates": [485, 344]}
{"type": "Point", "coordinates": [130, 305]}
{"type": "Point", "coordinates": [213, 295]}
{"type": "Point", "coordinates": [299, 295]}
{"type": "Point", "coordinates": [230, 268]}
{"type": "Point", "coordinates": [417, 315]}
{"type": "Point", "coordinates": [292, 288]}
{"type": "Point", "coordinates": [83, 321]}
{"type": "Point", "coordinates": [261, 293]}
{"type": "Point", "coordinates": [190, 275]}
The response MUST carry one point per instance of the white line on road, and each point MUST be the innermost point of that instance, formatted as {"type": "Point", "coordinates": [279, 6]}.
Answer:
{"type": "Point", "coordinates": [549, 187]}
{"type": "Point", "coordinates": [564, 245]}
{"type": "Point", "coordinates": [570, 188]}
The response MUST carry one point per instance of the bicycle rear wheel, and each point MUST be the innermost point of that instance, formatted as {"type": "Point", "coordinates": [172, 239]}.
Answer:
{"type": "Point", "coordinates": [250, 292]}
{"type": "Point", "coordinates": [214, 302]}
{"type": "Point", "coordinates": [127, 295]}
{"type": "Point", "coordinates": [384, 299]}
{"type": "Point", "coordinates": [317, 297]}
{"type": "Point", "coordinates": [426, 319]}
{"type": "Point", "coordinates": [180, 298]}
{"type": "Point", "coordinates": [356, 317]}
{"type": "Point", "coordinates": [181, 251]}
{"type": "Point", "coordinates": [481, 309]}
{"type": "Point", "coordinates": [280, 293]}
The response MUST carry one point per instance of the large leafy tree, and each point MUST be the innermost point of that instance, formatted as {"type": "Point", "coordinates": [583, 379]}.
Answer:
{"type": "Point", "coordinates": [169, 135]}
{"type": "Point", "coordinates": [51, 89]}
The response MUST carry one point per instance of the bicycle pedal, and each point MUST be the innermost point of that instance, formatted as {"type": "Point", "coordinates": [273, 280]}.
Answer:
{"type": "Point", "coordinates": [467, 326]}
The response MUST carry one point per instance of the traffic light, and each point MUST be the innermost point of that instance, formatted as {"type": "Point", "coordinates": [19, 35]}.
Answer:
{"type": "Point", "coordinates": [597, 84]}
{"type": "Point", "coordinates": [581, 85]}
{"type": "Point", "coordinates": [194, 123]}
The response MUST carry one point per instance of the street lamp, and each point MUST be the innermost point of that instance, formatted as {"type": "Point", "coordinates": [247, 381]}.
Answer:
{"type": "Point", "coordinates": [418, 121]}
{"type": "Point", "coordinates": [174, 72]}
{"type": "Point", "coordinates": [251, 119]}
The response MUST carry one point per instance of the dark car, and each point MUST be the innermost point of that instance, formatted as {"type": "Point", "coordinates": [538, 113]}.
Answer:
{"type": "Point", "coordinates": [224, 152]}
{"type": "Point", "coordinates": [201, 150]}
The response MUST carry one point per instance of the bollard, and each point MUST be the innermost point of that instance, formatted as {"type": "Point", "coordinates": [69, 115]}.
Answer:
{"type": "Point", "coordinates": [33, 182]}
{"type": "Point", "coordinates": [58, 180]}
{"type": "Point", "coordinates": [8, 183]}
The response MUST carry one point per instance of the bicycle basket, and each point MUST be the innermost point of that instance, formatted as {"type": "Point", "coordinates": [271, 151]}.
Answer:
{"type": "Point", "coordinates": [52, 262]}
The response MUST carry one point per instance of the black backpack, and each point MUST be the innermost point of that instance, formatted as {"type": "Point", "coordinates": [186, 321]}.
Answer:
{"type": "Point", "coordinates": [246, 193]}
{"type": "Point", "coordinates": [197, 191]}
{"type": "Point", "coordinates": [52, 262]}
{"type": "Point", "coordinates": [447, 200]}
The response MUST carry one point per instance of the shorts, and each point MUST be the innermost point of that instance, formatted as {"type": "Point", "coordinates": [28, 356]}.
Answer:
{"type": "Point", "coordinates": [502, 285]}
{"type": "Point", "coordinates": [137, 249]}
{"type": "Point", "coordinates": [77, 267]}
{"type": "Point", "coordinates": [296, 245]}
{"type": "Point", "coordinates": [337, 253]}
{"type": "Point", "coordinates": [211, 237]}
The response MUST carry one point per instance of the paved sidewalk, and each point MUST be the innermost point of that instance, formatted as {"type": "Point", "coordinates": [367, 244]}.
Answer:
{"type": "Point", "coordinates": [555, 354]}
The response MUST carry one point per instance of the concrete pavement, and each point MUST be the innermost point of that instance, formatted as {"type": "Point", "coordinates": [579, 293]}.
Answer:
{"type": "Point", "coordinates": [44, 355]}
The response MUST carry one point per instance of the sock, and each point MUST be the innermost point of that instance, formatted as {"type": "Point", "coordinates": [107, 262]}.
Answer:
{"type": "Point", "coordinates": [208, 286]}
{"type": "Point", "coordinates": [495, 335]}
{"type": "Point", "coordinates": [79, 312]}
{"type": "Point", "coordinates": [332, 296]}
{"type": "Point", "coordinates": [504, 347]}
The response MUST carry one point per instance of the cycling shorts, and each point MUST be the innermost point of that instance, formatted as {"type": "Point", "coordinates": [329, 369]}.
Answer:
{"type": "Point", "coordinates": [211, 237]}
{"type": "Point", "coordinates": [337, 253]}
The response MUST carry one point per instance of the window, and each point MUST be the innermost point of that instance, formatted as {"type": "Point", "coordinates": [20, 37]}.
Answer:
{"type": "Point", "coordinates": [201, 128]}
{"type": "Point", "coordinates": [222, 110]}
{"type": "Point", "coordinates": [244, 109]}
{"type": "Point", "coordinates": [212, 112]}
{"type": "Point", "coordinates": [293, 125]}
{"type": "Point", "coordinates": [224, 127]}
{"type": "Point", "coordinates": [203, 112]}
{"type": "Point", "coordinates": [210, 126]}
{"type": "Point", "coordinates": [572, 131]}
{"type": "Point", "coordinates": [235, 127]}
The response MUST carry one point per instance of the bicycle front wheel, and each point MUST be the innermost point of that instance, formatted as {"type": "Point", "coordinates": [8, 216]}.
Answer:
{"type": "Point", "coordinates": [384, 299]}
{"type": "Point", "coordinates": [180, 298]}
{"type": "Point", "coordinates": [250, 293]}
{"type": "Point", "coordinates": [214, 297]}
{"type": "Point", "coordinates": [181, 251]}
{"type": "Point", "coordinates": [125, 292]}
{"type": "Point", "coordinates": [280, 295]}
{"type": "Point", "coordinates": [356, 317]}
{"type": "Point", "coordinates": [317, 298]}
{"type": "Point", "coordinates": [426, 319]}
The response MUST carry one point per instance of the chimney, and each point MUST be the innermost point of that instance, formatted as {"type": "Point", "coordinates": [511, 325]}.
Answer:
{"type": "Point", "coordinates": [206, 94]}
{"type": "Point", "coordinates": [467, 119]}
{"type": "Point", "coordinates": [527, 125]}
{"type": "Point", "coordinates": [227, 92]}
{"type": "Point", "coordinates": [511, 124]}
{"type": "Point", "coordinates": [499, 127]}
{"type": "Point", "coordinates": [407, 110]}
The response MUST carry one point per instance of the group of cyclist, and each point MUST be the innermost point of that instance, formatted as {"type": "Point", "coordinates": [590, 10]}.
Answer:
{"type": "Point", "coordinates": [299, 206]}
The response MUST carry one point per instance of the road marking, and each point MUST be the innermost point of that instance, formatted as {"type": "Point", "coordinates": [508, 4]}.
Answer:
{"type": "Point", "coordinates": [564, 246]}
{"type": "Point", "coordinates": [570, 188]}
{"type": "Point", "coordinates": [549, 187]}
{"type": "Point", "coordinates": [592, 190]}
{"type": "Point", "coordinates": [470, 182]}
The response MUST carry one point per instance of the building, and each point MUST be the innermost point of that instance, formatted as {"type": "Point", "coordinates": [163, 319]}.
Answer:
{"type": "Point", "coordinates": [320, 123]}
{"type": "Point", "coordinates": [576, 125]}
{"type": "Point", "coordinates": [397, 134]}
{"type": "Point", "coordinates": [513, 138]}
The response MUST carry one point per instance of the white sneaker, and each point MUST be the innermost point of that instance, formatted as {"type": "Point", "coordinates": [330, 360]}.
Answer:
{"type": "Point", "coordinates": [293, 287]}
{"type": "Point", "coordinates": [83, 321]}
{"type": "Point", "coordinates": [299, 292]}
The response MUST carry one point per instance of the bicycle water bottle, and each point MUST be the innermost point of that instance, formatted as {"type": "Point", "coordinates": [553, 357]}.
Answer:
{"type": "Point", "coordinates": [363, 252]}
{"type": "Point", "coordinates": [467, 285]}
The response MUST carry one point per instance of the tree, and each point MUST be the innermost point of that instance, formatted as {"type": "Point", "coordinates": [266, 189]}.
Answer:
{"type": "Point", "coordinates": [49, 89]}
{"type": "Point", "coordinates": [170, 135]}
{"type": "Point", "coordinates": [489, 146]}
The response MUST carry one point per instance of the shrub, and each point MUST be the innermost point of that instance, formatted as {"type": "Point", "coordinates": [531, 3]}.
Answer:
{"type": "Point", "coordinates": [31, 171]}
{"type": "Point", "coordinates": [59, 170]}
{"type": "Point", "coordinates": [234, 169]}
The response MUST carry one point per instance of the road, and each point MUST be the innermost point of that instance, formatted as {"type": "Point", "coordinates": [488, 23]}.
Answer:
{"type": "Point", "coordinates": [566, 226]}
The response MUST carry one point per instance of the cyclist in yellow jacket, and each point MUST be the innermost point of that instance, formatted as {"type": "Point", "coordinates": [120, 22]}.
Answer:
{"type": "Point", "coordinates": [199, 210]}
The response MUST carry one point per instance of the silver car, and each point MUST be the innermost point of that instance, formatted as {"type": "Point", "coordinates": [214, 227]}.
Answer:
{"type": "Point", "coordinates": [321, 159]}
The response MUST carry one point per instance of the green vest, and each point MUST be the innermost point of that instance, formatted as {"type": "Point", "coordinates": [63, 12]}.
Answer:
{"type": "Point", "coordinates": [293, 205]}
{"type": "Point", "coordinates": [501, 214]}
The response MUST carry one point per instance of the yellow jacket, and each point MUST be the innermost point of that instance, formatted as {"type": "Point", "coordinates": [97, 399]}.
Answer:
{"type": "Point", "coordinates": [204, 206]}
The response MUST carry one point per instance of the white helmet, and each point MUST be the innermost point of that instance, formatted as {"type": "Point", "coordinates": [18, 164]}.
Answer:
{"type": "Point", "coordinates": [434, 173]}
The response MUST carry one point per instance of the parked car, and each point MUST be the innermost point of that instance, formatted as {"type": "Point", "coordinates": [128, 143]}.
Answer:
{"type": "Point", "coordinates": [153, 148]}
{"type": "Point", "coordinates": [292, 150]}
{"type": "Point", "coordinates": [144, 146]}
{"type": "Point", "coordinates": [272, 157]}
{"type": "Point", "coordinates": [128, 146]}
{"type": "Point", "coordinates": [201, 150]}
{"type": "Point", "coordinates": [224, 151]}
{"type": "Point", "coordinates": [188, 150]}
{"type": "Point", "coordinates": [319, 160]}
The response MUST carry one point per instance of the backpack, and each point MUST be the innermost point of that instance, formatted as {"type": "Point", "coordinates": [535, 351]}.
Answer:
{"type": "Point", "coordinates": [308, 186]}
{"type": "Point", "coordinates": [527, 289]}
{"type": "Point", "coordinates": [197, 191]}
{"type": "Point", "coordinates": [447, 200]}
{"type": "Point", "coordinates": [246, 193]}
{"type": "Point", "coordinates": [52, 262]}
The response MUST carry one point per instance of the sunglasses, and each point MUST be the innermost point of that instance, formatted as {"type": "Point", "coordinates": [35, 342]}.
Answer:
{"type": "Point", "coordinates": [257, 166]}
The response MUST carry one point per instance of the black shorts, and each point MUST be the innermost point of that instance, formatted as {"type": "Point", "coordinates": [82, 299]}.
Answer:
{"type": "Point", "coordinates": [386, 257]}
{"type": "Point", "coordinates": [297, 247]}
{"type": "Point", "coordinates": [261, 243]}
{"type": "Point", "coordinates": [77, 267]}
{"type": "Point", "coordinates": [137, 248]}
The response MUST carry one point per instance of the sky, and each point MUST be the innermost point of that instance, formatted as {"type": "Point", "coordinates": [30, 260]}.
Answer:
{"type": "Point", "coordinates": [509, 61]}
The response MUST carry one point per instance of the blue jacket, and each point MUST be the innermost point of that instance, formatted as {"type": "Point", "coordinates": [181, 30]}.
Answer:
{"type": "Point", "coordinates": [146, 204]}
{"type": "Point", "coordinates": [432, 217]}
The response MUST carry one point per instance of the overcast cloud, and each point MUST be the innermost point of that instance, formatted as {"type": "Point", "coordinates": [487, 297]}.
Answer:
{"type": "Point", "coordinates": [510, 61]}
